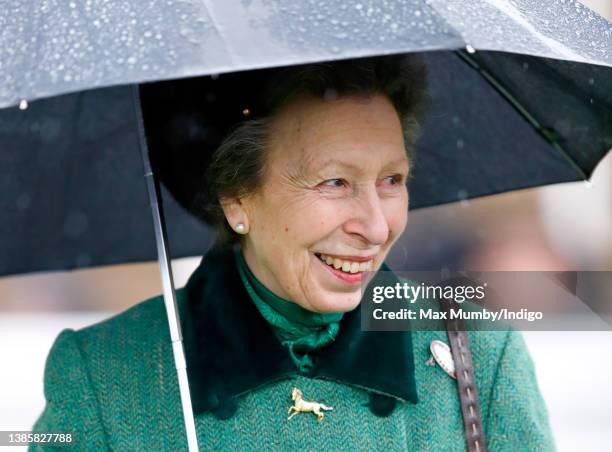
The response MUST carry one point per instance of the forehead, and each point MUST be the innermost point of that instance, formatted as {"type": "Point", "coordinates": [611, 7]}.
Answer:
{"type": "Point", "coordinates": [354, 130]}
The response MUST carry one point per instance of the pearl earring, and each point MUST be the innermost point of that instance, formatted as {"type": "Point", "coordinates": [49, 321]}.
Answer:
{"type": "Point", "coordinates": [240, 228]}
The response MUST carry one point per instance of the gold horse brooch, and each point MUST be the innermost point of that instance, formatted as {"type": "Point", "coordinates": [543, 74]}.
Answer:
{"type": "Point", "coordinates": [302, 406]}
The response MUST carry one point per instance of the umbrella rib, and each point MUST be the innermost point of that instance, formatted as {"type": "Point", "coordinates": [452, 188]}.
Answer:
{"type": "Point", "coordinates": [543, 131]}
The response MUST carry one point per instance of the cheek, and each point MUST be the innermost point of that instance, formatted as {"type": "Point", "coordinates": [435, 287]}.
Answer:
{"type": "Point", "coordinates": [313, 221]}
{"type": "Point", "coordinates": [397, 215]}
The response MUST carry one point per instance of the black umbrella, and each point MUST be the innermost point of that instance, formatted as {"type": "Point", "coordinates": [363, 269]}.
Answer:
{"type": "Point", "coordinates": [521, 96]}
{"type": "Point", "coordinates": [71, 179]}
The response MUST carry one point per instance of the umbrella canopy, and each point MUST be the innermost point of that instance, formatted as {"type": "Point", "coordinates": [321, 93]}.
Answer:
{"type": "Point", "coordinates": [70, 171]}
{"type": "Point", "coordinates": [532, 106]}
{"type": "Point", "coordinates": [67, 46]}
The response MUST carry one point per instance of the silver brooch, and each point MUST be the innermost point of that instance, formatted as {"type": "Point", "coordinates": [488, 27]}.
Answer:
{"type": "Point", "coordinates": [441, 354]}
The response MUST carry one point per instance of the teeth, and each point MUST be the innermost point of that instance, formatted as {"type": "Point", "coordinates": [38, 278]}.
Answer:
{"type": "Point", "coordinates": [346, 266]}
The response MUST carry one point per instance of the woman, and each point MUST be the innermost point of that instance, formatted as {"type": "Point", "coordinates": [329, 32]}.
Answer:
{"type": "Point", "coordinates": [308, 192]}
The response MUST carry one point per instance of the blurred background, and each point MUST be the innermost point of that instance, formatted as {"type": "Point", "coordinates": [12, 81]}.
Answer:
{"type": "Point", "coordinates": [567, 226]}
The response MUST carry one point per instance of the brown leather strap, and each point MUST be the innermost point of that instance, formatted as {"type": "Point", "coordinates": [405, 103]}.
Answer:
{"type": "Point", "coordinates": [464, 370]}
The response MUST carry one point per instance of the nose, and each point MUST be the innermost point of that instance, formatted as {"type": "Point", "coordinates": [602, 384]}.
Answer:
{"type": "Point", "coordinates": [367, 218]}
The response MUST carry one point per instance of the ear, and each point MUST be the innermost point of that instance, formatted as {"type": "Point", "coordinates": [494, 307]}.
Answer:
{"type": "Point", "coordinates": [234, 212]}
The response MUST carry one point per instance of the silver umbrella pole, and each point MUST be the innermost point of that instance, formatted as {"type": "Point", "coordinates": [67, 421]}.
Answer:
{"type": "Point", "coordinates": [167, 280]}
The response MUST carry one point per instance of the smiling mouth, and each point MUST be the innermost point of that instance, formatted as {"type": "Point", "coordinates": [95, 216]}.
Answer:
{"type": "Point", "coordinates": [346, 265]}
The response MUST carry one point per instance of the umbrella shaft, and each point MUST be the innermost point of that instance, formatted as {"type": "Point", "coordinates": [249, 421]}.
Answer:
{"type": "Point", "coordinates": [163, 254]}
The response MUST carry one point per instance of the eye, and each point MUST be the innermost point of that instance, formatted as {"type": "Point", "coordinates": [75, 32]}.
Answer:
{"type": "Point", "coordinates": [396, 179]}
{"type": "Point", "coordinates": [334, 183]}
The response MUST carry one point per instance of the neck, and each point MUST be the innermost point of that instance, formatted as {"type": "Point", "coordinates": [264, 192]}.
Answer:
{"type": "Point", "coordinates": [290, 310]}
{"type": "Point", "coordinates": [261, 272]}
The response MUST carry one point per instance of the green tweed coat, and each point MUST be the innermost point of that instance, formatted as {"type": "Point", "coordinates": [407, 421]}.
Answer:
{"type": "Point", "coordinates": [113, 385]}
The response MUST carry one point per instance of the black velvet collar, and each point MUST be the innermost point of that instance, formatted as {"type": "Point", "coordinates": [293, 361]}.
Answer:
{"type": "Point", "coordinates": [231, 349]}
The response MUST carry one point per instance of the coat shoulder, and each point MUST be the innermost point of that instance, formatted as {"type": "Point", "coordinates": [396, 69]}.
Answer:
{"type": "Point", "coordinates": [98, 377]}
{"type": "Point", "coordinates": [137, 331]}
{"type": "Point", "coordinates": [124, 358]}
{"type": "Point", "coordinates": [126, 343]}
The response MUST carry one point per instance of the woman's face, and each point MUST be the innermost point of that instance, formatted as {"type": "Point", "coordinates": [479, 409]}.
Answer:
{"type": "Point", "coordinates": [333, 202]}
